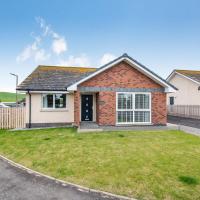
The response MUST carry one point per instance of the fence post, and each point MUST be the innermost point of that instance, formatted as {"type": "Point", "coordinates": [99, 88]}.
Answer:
{"type": "Point", "coordinates": [12, 118]}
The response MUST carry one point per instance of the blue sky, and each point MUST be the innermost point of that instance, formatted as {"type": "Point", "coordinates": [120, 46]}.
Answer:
{"type": "Point", "coordinates": [162, 35]}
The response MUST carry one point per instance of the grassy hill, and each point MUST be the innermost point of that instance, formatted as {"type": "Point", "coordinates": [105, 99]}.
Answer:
{"type": "Point", "coordinates": [10, 97]}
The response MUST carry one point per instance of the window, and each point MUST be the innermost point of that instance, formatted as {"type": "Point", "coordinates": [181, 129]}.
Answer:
{"type": "Point", "coordinates": [141, 101]}
{"type": "Point", "coordinates": [48, 101]}
{"type": "Point", "coordinates": [125, 116]}
{"type": "Point", "coordinates": [60, 100]}
{"type": "Point", "coordinates": [142, 116]}
{"type": "Point", "coordinates": [54, 101]}
{"type": "Point", "coordinates": [124, 101]}
{"type": "Point", "coordinates": [133, 108]}
{"type": "Point", "coordinates": [171, 100]}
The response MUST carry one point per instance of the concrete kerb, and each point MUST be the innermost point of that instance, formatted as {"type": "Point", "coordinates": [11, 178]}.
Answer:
{"type": "Point", "coordinates": [40, 128]}
{"type": "Point", "coordinates": [78, 187]}
{"type": "Point", "coordinates": [190, 130]}
{"type": "Point", "coordinates": [187, 129]}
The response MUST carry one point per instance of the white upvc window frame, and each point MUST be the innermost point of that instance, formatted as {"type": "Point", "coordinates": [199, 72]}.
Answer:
{"type": "Point", "coordinates": [133, 109]}
{"type": "Point", "coordinates": [54, 107]}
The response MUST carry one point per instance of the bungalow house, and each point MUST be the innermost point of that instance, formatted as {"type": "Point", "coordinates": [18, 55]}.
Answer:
{"type": "Point", "coordinates": [188, 84]}
{"type": "Point", "coordinates": [122, 92]}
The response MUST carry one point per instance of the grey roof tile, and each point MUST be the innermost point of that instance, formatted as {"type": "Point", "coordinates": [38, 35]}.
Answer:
{"type": "Point", "coordinates": [53, 78]}
{"type": "Point", "coordinates": [192, 74]}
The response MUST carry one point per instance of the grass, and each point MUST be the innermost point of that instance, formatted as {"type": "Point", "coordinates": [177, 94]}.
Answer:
{"type": "Point", "coordinates": [10, 97]}
{"type": "Point", "coordinates": [143, 165]}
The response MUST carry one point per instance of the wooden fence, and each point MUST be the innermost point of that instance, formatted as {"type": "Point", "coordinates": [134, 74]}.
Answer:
{"type": "Point", "coordinates": [191, 111]}
{"type": "Point", "coordinates": [12, 118]}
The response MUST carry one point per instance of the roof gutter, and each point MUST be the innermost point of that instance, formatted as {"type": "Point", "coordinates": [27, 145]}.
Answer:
{"type": "Point", "coordinates": [44, 91]}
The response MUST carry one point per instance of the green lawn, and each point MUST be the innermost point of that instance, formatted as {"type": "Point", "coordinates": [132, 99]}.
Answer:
{"type": "Point", "coordinates": [140, 164]}
{"type": "Point", "coordinates": [10, 97]}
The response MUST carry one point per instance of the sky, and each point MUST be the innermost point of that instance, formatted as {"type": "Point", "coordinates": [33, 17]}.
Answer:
{"type": "Point", "coordinates": [162, 35]}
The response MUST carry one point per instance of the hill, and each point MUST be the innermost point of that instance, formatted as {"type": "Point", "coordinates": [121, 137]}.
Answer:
{"type": "Point", "coordinates": [10, 97]}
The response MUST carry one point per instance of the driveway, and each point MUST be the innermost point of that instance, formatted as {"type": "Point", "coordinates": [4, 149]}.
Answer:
{"type": "Point", "coordinates": [18, 184]}
{"type": "Point", "coordinates": [184, 121]}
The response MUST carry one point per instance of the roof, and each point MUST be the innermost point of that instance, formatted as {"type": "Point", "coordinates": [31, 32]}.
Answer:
{"type": "Point", "coordinates": [193, 75]}
{"type": "Point", "coordinates": [53, 78]}
{"type": "Point", "coordinates": [169, 87]}
{"type": "Point", "coordinates": [57, 78]}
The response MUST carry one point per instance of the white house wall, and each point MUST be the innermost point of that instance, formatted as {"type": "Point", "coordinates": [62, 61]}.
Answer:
{"type": "Point", "coordinates": [39, 115]}
{"type": "Point", "coordinates": [187, 94]}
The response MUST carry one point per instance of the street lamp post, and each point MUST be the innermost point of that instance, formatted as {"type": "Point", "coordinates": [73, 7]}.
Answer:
{"type": "Point", "coordinates": [16, 76]}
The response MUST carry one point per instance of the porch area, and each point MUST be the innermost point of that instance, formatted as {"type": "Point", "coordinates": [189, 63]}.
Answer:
{"type": "Point", "coordinates": [94, 106]}
{"type": "Point", "coordinates": [94, 127]}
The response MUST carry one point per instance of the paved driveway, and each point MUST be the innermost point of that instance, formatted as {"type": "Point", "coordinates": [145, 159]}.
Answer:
{"type": "Point", "coordinates": [184, 121]}
{"type": "Point", "coordinates": [17, 184]}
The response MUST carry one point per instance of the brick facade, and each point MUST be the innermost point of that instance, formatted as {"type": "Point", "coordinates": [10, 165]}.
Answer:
{"type": "Point", "coordinates": [121, 75]}
{"type": "Point", "coordinates": [77, 109]}
{"type": "Point", "coordinates": [106, 108]}
{"type": "Point", "coordinates": [159, 108]}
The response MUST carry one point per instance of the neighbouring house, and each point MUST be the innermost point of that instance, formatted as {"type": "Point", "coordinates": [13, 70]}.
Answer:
{"type": "Point", "coordinates": [188, 84]}
{"type": "Point", "coordinates": [122, 92]}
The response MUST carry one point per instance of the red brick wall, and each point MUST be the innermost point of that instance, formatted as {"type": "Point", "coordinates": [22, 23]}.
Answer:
{"type": "Point", "coordinates": [121, 75]}
{"type": "Point", "coordinates": [159, 108]}
{"type": "Point", "coordinates": [77, 99]}
{"type": "Point", "coordinates": [124, 76]}
{"type": "Point", "coordinates": [106, 108]}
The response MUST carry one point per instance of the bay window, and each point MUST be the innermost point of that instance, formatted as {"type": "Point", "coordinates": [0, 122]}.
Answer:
{"type": "Point", "coordinates": [54, 101]}
{"type": "Point", "coordinates": [133, 108]}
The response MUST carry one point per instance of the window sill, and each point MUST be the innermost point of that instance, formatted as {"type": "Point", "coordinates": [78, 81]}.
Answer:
{"type": "Point", "coordinates": [54, 110]}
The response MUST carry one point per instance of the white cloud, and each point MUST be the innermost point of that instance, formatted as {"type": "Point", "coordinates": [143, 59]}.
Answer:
{"type": "Point", "coordinates": [59, 45]}
{"type": "Point", "coordinates": [107, 57]}
{"type": "Point", "coordinates": [29, 51]}
{"type": "Point", "coordinates": [33, 51]}
{"type": "Point", "coordinates": [41, 55]}
{"type": "Point", "coordinates": [36, 50]}
{"type": "Point", "coordinates": [25, 54]}
{"type": "Point", "coordinates": [46, 28]}
{"type": "Point", "coordinates": [82, 61]}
